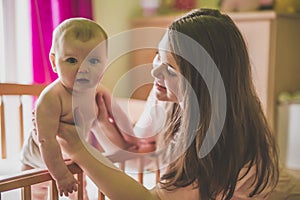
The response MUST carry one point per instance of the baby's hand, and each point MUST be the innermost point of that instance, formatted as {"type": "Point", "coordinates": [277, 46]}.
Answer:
{"type": "Point", "coordinates": [67, 184]}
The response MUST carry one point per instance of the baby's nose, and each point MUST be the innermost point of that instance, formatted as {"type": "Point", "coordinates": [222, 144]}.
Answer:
{"type": "Point", "coordinates": [83, 69]}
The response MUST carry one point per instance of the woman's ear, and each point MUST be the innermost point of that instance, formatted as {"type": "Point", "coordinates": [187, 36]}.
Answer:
{"type": "Point", "coordinates": [52, 61]}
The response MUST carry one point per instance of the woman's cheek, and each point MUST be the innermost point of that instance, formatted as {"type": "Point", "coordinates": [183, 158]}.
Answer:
{"type": "Point", "coordinates": [174, 89]}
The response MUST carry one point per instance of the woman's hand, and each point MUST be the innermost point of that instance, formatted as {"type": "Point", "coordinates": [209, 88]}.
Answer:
{"type": "Point", "coordinates": [109, 128]}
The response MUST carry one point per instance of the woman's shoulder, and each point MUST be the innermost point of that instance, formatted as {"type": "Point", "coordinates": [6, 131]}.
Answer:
{"type": "Point", "coordinates": [154, 193]}
{"type": "Point", "coordinates": [288, 187]}
{"type": "Point", "coordinates": [188, 192]}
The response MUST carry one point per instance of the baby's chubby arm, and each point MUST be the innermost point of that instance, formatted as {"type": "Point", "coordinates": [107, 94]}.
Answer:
{"type": "Point", "coordinates": [47, 116]}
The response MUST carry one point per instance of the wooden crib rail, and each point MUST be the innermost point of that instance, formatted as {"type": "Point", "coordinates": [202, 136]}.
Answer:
{"type": "Point", "coordinates": [20, 90]}
{"type": "Point", "coordinates": [25, 179]}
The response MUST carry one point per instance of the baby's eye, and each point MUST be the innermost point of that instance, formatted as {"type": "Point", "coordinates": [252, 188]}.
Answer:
{"type": "Point", "coordinates": [94, 61]}
{"type": "Point", "coordinates": [72, 60]}
{"type": "Point", "coordinates": [171, 71]}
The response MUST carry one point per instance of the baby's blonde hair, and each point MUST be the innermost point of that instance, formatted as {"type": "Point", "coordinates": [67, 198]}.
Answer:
{"type": "Point", "coordinates": [80, 28]}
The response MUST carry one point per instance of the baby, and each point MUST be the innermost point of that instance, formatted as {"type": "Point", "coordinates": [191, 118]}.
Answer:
{"type": "Point", "coordinates": [79, 56]}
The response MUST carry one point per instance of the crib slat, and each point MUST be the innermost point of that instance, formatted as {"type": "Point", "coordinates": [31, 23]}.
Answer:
{"type": "Point", "coordinates": [80, 186]}
{"type": "Point", "coordinates": [2, 129]}
{"type": "Point", "coordinates": [101, 196]}
{"type": "Point", "coordinates": [141, 170]}
{"type": "Point", "coordinates": [26, 193]}
{"type": "Point", "coordinates": [21, 122]}
{"type": "Point", "coordinates": [122, 166]}
{"type": "Point", "coordinates": [53, 191]}
{"type": "Point", "coordinates": [157, 176]}
{"type": "Point", "coordinates": [157, 172]}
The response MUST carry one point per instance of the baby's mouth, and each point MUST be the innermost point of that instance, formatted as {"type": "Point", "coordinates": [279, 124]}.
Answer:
{"type": "Point", "coordinates": [82, 80]}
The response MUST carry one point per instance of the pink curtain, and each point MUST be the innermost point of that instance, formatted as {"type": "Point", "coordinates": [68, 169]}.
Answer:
{"type": "Point", "coordinates": [45, 16]}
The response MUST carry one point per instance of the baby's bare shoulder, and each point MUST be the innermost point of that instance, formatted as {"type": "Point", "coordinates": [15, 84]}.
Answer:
{"type": "Point", "coordinates": [52, 94]}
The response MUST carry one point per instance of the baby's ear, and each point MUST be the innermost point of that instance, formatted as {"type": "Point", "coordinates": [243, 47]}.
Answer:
{"type": "Point", "coordinates": [52, 61]}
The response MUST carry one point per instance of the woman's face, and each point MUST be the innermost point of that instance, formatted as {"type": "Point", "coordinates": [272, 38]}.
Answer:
{"type": "Point", "coordinates": [166, 74]}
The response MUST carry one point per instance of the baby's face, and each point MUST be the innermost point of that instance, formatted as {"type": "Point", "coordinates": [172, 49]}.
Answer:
{"type": "Point", "coordinates": [80, 65]}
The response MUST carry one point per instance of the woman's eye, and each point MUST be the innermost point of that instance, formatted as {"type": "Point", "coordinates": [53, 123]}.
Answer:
{"type": "Point", "coordinates": [94, 61]}
{"type": "Point", "coordinates": [72, 60]}
{"type": "Point", "coordinates": [171, 71]}
{"type": "Point", "coordinates": [156, 61]}
{"type": "Point", "coordinates": [157, 56]}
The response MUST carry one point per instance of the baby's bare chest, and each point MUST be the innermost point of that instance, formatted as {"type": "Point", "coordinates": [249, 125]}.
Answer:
{"type": "Point", "coordinates": [85, 104]}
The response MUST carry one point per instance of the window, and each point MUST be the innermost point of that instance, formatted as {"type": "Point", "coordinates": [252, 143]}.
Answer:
{"type": "Point", "coordinates": [15, 41]}
{"type": "Point", "coordinates": [15, 61]}
{"type": "Point", "coordinates": [2, 69]}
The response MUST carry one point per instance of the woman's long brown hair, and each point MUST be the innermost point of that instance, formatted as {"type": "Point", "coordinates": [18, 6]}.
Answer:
{"type": "Point", "coordinates": [245, 140]}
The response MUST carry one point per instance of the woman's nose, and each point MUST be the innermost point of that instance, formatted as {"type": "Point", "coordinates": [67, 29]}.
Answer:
{"type": "Point", "coordinates": [157, 71]}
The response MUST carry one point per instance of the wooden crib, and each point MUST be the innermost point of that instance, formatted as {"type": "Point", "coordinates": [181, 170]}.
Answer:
{"type": "Point", "coordinates": [24, 180]}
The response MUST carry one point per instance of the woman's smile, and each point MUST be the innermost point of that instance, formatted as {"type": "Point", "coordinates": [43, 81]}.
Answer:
{"type": "Point", "coordinates": [160, 87]}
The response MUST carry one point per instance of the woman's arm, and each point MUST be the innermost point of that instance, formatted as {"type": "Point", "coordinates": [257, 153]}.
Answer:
{"type": "Point", "coordinates": [114, 183]}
